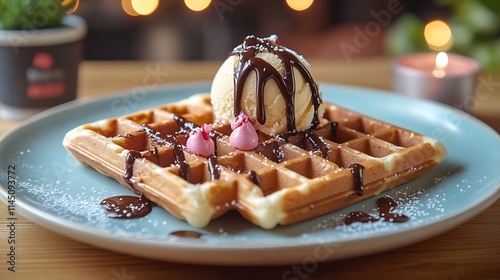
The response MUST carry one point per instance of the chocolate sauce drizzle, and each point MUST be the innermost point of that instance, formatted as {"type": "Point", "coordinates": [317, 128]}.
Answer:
{"type": "Point", "coordinates": [134, 207]}
{"type": "Point", "coordinates": [126, 207]}
{"type": "Point", "coordinates": [129, 166]}
{"type": "Point", "coordinates": [214, 167]}
{"type": "Point", "coordinates": [178, 151]}
{"type": "Point", "coordinates": [271, 150]}
{"type": "Point", "coordinates": [254, 177]}
{"type": "Point", "coordinates": [184, 125]}
{"type": "Point", "coordinates": [187, 234]}
{"type": "Point", "coordinates": [248, 62]}
{"type": "Point", "coordinates": [306, 140]}
{"type": "Point", "coordinates": [318, 143]}
{"type": "Point", "coordinates": [156, 154]}
{"type": "Point", "coordinates": [333, 131]}
{"type": "Point", "coordinates": [385, 207]}
{"type": "Point", "coordinates": [357, 177]}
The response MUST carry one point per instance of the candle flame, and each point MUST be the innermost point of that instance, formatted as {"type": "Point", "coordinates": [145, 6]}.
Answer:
{"type": "Point", "coordinates": [441, 63]}
{"type": "Point", "coordinates": [438, 35]}
{"type": "Point", "coordinates": [441, 60]}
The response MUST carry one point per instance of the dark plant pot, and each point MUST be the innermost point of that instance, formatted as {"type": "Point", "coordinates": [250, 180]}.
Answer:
{"type": "Point", "coordinates": [39, 67]}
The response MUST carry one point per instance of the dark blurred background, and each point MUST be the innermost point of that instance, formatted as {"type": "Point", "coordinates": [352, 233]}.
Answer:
{"type": "Point", "coordinates": [326, 29]}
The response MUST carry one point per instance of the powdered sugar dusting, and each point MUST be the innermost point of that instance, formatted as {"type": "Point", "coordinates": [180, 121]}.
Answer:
{"type": "Point", "coordinates": [422, 204]}
{"type": "Point", "coordinates": [61, 199]}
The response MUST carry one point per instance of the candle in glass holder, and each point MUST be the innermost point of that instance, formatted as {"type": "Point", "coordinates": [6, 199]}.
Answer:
{"type": "Point", "coordinates": [447, 78]}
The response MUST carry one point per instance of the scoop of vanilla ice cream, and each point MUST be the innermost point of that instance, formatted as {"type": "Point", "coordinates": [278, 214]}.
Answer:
{"type": "Point", "coordinates": [222, 95]}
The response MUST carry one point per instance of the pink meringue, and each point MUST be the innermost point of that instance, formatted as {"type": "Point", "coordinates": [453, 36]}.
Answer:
{"type": "Point", "coordinates": [200, 142]}
{"type": "Point", "coordinates": [244, 136]}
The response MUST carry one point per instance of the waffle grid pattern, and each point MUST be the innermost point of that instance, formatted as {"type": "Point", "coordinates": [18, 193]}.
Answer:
{"type": "Point", "coordinates": [295, 183]}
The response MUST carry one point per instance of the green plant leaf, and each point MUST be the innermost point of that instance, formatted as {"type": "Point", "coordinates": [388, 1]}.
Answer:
{"type": "Point", "coordinates": [32, 14]}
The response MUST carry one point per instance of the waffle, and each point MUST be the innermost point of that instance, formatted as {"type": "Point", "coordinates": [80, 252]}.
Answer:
{"type": "Point", "coordinates": [283, 181]}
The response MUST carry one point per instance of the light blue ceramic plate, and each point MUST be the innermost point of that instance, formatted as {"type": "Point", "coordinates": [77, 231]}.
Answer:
{"type": "Point", "coordinates": [62, 195]}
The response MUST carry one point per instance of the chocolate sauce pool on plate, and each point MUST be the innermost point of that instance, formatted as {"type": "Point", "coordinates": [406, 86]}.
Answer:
{"type": "Point", "coordinates": [385, 206]}
{"type": "Point", "coordinates": [126, 206]}
{"type": "Point", "coordinates": [187, 234]}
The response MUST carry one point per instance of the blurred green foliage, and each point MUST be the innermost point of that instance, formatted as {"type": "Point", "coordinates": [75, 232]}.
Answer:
{"type": "Point", "coordinates": [32, 14]}
{"type": "Point", "coordinates": [475, 26]}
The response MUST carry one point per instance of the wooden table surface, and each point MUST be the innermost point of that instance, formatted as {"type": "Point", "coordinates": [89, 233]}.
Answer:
{"type": "Point", "coordinates": [469, 251]}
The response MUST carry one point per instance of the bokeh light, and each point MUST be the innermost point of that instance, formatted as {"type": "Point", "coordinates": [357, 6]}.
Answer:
{"type": "Point", "coordinates": [299, 5]}
{"type": "Point", "coordinates": [75, 6]}
{"type": "Point", "coordinates": [197, 5]}
{"type": "Point", "coordinates": [438, 35]}
{"type": "Point", "coordinates": [128, 8]}
{"type": "Point", "coordinates": [145, 7]}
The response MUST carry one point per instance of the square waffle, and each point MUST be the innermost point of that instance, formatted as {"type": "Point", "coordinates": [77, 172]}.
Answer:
{"type": "Point", "coordinates": [282, 181]}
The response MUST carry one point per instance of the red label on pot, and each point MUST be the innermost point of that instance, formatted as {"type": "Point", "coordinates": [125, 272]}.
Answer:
{"type": "Point", "coordinates": [46, 90]}
{"type": "Point", "coordinates": [44, 80]}
{"type": "Point", "coordinates": [43, 61]}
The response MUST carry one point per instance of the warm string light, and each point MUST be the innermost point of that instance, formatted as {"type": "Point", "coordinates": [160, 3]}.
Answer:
{"type": "Point", "coordinates": [197, 5]}
{"type": "Point", "coordinates": [68, 2]}
{"type": "Point", "coordinates": [140, 7]}
{"type": "Point", "coordinates": [127, 7]}
{"type": "Point", "coordinates": [299, 5]}
{"type": "Point", "coordinates": [147, 7]}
